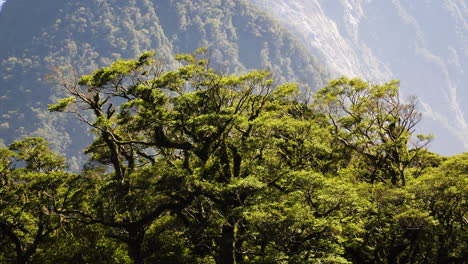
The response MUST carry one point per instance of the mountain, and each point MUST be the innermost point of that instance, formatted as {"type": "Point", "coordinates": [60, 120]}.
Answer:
{"type": "Point", "coordinates": [39, 35]}
{"type": "Point", "coordinates": [422, 43]}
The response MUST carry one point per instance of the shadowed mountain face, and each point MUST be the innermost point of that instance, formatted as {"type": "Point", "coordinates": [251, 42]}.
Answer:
{"type": "Point", "coordinates": [422, 43]}
{"type": "Point", "coordinates": [38, 35]}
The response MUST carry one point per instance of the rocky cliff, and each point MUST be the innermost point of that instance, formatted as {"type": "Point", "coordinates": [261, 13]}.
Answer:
{"type": "Point", "coordinates": [422, 43]}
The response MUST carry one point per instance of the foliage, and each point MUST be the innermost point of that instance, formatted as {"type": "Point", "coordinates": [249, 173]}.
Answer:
{"type": "Point", "coordinates": [372, 122]}
{"type": "Point", "coordinates": [33, 188]}
{"type": "Point", "coordinates": [194, 166]}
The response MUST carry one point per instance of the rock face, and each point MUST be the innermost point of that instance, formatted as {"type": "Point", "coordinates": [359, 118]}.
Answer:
{"type": "Point", "coordinates": [422, 43]}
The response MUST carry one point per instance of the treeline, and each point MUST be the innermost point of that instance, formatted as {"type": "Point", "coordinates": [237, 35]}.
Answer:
{"type": "Point", "coordinates": [194, 166]}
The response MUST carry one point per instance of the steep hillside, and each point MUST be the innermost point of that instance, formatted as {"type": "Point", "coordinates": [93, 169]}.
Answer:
{"type": "Point", "coordinates": [422, 43]}
{"type": "Point", "coordinates": [38, 35]}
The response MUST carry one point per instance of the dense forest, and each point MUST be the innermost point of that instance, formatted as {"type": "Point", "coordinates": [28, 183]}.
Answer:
{"type": "Point", "coordinates": [115, 150]}
{"type": "Point", "coordinates": [192, 165]}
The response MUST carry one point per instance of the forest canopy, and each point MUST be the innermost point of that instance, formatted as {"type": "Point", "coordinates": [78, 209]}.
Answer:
{"type": "Point", "coordinates": [195, 166]}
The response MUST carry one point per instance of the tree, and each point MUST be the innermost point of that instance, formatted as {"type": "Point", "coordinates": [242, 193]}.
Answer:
{"type": "Point", "coordinates": [199, 147]}
{"type": "Point", "coordinates": [443, 193]}
{"type": "Point", "coordinates": [422, 222]}
{"type": "Point", "coordinates": [137, 191]}
{"type": "Point", "coordinates": [190, 139]}
{"type": "Point", "coordinates": [193, 166]}
{"type": "Point", "coordinates": [33, 188]}
{"type": "Point", "coordinates": [372, 122]}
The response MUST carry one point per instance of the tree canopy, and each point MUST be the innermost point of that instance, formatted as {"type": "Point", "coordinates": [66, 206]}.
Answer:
{"type": "Point", "coordinates": [195, 166]}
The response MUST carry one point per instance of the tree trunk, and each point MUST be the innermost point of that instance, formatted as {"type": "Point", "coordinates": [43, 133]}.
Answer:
{"type": "Point", "coordinates": [226, 253]}
{"type": "Point", "coordinates": [20, 259]}
{"type": "Point", "coordinates": [134, 246]}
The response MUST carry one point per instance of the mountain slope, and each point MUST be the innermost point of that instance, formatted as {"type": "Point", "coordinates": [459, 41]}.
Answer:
{"type": "Point", "coordinates": [422, 43]}
{"type": "Point", "coordinates": [36, 36]}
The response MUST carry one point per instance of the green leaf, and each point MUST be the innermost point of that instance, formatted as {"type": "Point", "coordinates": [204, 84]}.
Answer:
{"type": "Point", "coordinates": [61, 105]}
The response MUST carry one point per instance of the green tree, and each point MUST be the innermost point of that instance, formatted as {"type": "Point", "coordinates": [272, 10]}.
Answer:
{"type": "Point", "coordinates": [128, 200]}
{"type": "Point", "coordinates": [422, 222]}
{"type": "Point", "coordinates": [371, 122]}
{"type": "Point", "coordinates": [33, 188]}
{"type": "Point", "coordinates": [193, 166]}
{"type": "Point", "coordinates": [190, 143]}
{"type": "Point", "coordinates": [443, 193]}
